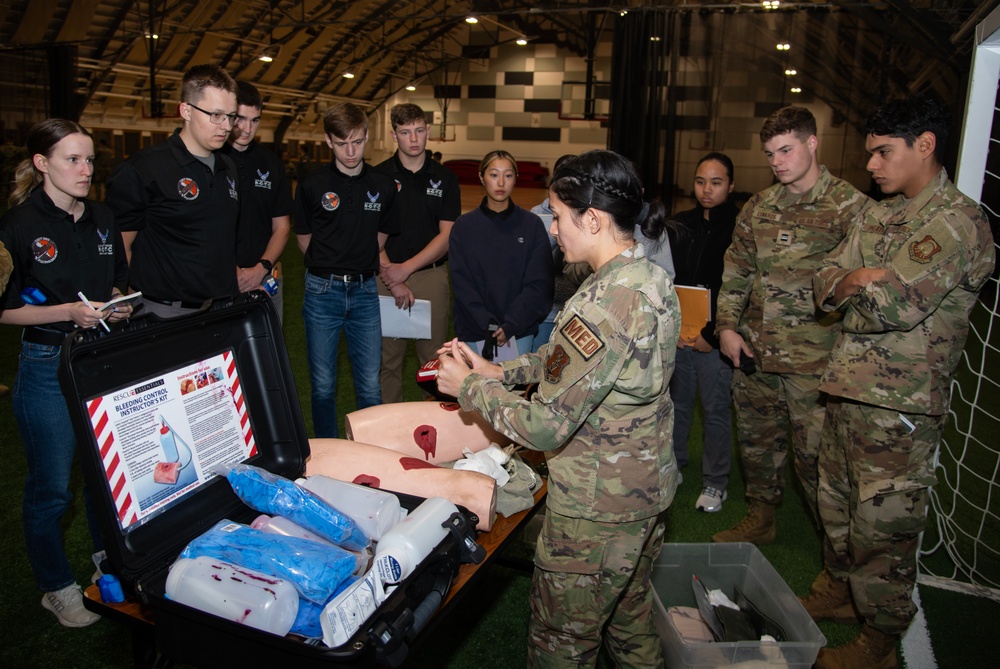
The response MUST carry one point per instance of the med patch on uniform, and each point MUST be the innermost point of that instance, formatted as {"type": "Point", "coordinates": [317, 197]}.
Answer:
{"type": "Point", "coordinates": [581, 337]}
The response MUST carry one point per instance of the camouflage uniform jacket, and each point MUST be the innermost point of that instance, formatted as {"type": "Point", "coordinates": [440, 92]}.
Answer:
{"type": "Point", "coordinates": [903, 335]}
{"type": "Point", "coordinates": [766, 292]}
{"type": "Point", "coordinates": [602, 411]}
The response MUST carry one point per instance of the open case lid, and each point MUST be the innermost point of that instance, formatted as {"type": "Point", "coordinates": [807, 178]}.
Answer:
{"type": "Point", "coordinates": [156, 405]}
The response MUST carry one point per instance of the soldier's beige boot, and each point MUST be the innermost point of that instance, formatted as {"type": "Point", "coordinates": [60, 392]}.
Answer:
{"type": "Point", "coordinates": [756, 528]}
{"type": "Point", "coordinates": [870, 650]}
{"type": "Point", "coordinates": [830, 599]}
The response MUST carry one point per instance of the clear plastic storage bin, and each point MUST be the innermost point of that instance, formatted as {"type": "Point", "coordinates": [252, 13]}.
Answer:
{"type": "Point", "coordinates": [722, 566]}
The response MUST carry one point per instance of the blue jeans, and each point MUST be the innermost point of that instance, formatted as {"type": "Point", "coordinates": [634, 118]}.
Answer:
{"type": "Point", "coordinates": [709, 375]}
{"type": "Point", "coordinates": [49, 447]}
{"type": "Point", "coordinates": [330, 306]}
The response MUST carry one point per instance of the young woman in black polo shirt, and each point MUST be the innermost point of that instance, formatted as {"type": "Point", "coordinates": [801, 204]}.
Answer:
{"type": "Point", "coordinates": [61, 245]}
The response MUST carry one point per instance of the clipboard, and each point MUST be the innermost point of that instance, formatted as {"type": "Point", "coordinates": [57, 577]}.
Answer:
{"type": "Point", "coordinates": [412, 323]}
{"type": "Point", "coordinates": [696, 310]}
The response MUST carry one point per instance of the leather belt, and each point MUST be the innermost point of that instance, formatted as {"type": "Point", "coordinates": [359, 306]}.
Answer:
{"type": "Point", "coordinates": [438, 263]}
{"type": "Point", "coordinates": [174, 303]}
{"type": "Point", "coordinates": [43, 336]}
{"type": "Point", "coordinates": [344, 278]}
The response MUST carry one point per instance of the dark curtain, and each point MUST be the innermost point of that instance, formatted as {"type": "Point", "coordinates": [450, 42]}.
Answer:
{"type": "Point", "coordinates": [640, 126]}
{"type": "Point", "coordinates": [64, 102]}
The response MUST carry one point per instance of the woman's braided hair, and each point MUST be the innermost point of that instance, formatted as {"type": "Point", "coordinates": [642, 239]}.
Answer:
{"type": "Point", "coordinates": [606, 181]}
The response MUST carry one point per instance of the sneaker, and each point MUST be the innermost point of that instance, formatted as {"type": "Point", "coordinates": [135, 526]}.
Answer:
{"type": "Point", "coordinates": [680, 478]}
{"type": "Point", "coordinates": [67, 605]}
{"type": "Point", "coordinates": [710, 500]}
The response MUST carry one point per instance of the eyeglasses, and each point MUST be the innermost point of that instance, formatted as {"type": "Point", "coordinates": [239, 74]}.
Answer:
{"type": "Point", "coordinates": [216, 118]}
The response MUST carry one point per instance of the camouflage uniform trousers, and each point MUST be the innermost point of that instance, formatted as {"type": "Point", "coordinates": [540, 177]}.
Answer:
{"type": "Point", "coordinates": [592, 581]}
{"type": "Point", "coordinates": [768, 406]}
{"type": "Point", "coordinates": [874, 480]}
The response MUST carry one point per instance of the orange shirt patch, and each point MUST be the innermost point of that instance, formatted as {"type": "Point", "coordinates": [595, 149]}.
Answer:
{"type": "Point", "coordinates": [924, 250]}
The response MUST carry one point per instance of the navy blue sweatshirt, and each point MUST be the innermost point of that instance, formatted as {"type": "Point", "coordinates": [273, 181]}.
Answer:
{"type": "Point", "coordinates": [501, 270]}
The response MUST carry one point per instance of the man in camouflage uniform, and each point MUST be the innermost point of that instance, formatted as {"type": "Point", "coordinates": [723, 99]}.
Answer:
{"type": "Point", "coordinates": [603, 415]}
{"type": "Point", "coordinates": [906, 280]}
{"type": "Point", "coordinates": [766, 313]}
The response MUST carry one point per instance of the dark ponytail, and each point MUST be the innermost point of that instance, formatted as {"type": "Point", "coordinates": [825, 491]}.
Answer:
{"type": "Point", "coordinates": [606, 181]}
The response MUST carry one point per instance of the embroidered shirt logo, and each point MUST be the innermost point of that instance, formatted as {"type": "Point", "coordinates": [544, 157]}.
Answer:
{"type": "Point", "coordinates": [233, 193]}
{"type": "Point", "coordinates": [330, 201]}
{"type": "Point", "coordinates": [44, 250]}
{"type": "Point", "coordinates": [557, 362]}
{"type": "Point", "coordinates": [581, 337]}
{"type": "Point", "coordinates": [187, 188]}
{"type": "Point", "coordinates": [434, 188]}
{"type": "Point", "coordinates": [373, 204]}
{"type": "Point", "coordinates": [262, 182]}
{"type": "Point", "coordinates": [924, 250]}
{"type": "Point", "coordinates": [104, 248]}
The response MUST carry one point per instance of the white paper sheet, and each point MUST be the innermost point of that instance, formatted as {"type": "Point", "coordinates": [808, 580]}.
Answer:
{"type": "Point", "coordinates": [412, 323]}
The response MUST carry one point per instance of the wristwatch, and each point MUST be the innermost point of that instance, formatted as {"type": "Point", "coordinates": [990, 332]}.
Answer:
{"type": "Point", "coordinates": [266, 264]}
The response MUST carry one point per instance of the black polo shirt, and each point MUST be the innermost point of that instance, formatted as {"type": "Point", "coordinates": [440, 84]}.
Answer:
{"type": "Point", "coordinates": [185, 216]}
{"type": "Point", "coordinates": [60, 256]}
{"type": "Point", "coordinates": [265, 193]}
{"type": "Point", "coordinates": [425, 198]}
{"type": "Point", "coordinates": [344, 215]}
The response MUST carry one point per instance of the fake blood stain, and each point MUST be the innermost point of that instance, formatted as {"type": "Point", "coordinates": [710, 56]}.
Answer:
{"type": "Point", "coordinates": [414, 463]}
{"type": "Point", "coordinates": [365, 479]}
{"type": "Point", "coordinates": [450, 406]}
{"type": "Point", "coordinates": [426, 437]}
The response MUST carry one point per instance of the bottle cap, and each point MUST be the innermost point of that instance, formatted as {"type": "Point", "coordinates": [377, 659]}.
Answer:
{"type": "Point", "coordinates": [111, 589]}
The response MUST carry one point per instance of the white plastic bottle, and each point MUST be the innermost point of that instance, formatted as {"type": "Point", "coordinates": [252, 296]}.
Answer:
{"type": "Point", "coordinates": [403, 547]}
{"type": "Point", "coordinates": [375, 511]}
{"type": "Point", "coordinates": [234, 593]}
{"type": "Point", "coordinates": [285, 527]}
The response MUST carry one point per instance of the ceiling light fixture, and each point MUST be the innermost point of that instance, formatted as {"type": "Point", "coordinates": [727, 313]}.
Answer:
{"type": "Point", "coordinates": [623, 12]}
{"type": "Point", "coordinates": [790, 73]}
{"type": "Point", "coordinates": [348, 75]}
{"type": "Point", "coordinates": [770, 4]}
{"type": "Point", "coordinates": [521, 41]}
{"type": "Point", "coordinates": [783, 46]}
{"type": "Point", "coordinates": [654, 38]}
{"type": "Point", "coordinates": [471, 19]}
{"type": "Point", "coordinates": [796, 89]}
{"type": "Point", "coordinates": [269, 53]}
{"type": "Point", "coordinates": [153, 36]}
{"type": "Point", "coordinates": [411, 87]}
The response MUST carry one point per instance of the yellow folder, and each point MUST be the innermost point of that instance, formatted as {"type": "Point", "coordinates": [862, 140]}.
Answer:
{"type": "Point", "coordinates": [696, 310]}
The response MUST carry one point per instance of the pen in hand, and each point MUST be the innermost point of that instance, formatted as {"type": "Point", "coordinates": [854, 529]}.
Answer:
{"type": "Point", "coordinates": [84, 299]}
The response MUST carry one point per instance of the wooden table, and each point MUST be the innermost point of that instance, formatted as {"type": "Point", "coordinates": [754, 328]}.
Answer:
{"type": "Point", "coordinates": [140, 620]}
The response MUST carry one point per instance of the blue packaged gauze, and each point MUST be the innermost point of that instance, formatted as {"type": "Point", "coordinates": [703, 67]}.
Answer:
{"type": "Point", "coordinates": [277, 496]}
{"type": "Point", "coordinates": [316, 570]}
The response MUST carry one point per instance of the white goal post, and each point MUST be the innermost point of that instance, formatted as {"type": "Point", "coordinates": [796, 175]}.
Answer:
{"type": "Point", "coordinates": [964, 518]}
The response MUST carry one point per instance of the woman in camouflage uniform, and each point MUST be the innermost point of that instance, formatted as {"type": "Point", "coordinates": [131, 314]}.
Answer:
{"type": "Point", "coordinates": [603, 416]}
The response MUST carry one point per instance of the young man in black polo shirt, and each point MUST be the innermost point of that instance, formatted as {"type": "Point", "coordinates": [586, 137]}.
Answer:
{"type": "Point", "coordinates": [412, 268]}
{"type": "Point", "coordinates": [341, 223]}
{"type": "Point", "coordinates": [265, 198]}
{"type": "Point", "coordinates": [177, 203]}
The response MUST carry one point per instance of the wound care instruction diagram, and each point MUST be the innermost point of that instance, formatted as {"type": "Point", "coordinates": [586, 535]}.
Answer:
{"type": "Point", "coordinates": [160, 438]}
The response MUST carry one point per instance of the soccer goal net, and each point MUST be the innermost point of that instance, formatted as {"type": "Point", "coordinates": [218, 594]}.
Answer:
{"type": "Point", "coordinates": [961, 547]}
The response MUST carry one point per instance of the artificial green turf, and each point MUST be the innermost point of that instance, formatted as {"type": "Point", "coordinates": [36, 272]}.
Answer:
{"type": "Point", "coordinates": [486, 628]}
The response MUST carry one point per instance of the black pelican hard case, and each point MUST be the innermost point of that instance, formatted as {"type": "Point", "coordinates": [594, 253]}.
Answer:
{"type": "Point", "coordinates": [129, 370]}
